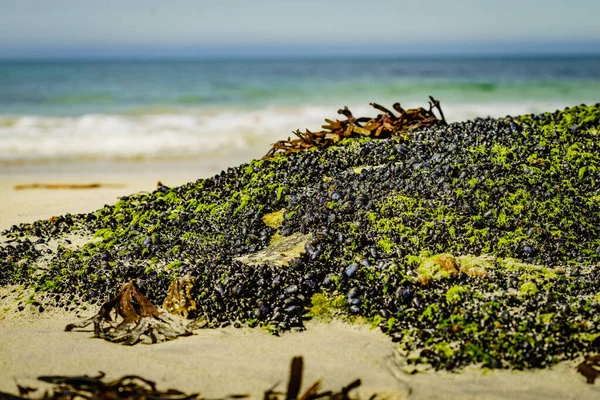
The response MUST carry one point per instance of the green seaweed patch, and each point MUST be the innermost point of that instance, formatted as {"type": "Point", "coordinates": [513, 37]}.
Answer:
{"type": "Point", "coordinates": [272, 328]}
{"type": "Point", "coordinates": [104, 233]}
{"type": "Point", "coordinates": [528, 288]}
{"type": "Point", "coordinates": [274, 219]}
{"type": "Point", "coordinates": [440, 266]}
{"type": "Point", "coordinates": [476, 266]}
{"type": "Point", "coordinates": [175, 266]}
{"type": "Point", "coordinates": [526, 271]}
{"type": "Point", "coordinates": [326, 308]}
{"type": "Point", "coordinates": [386, 244]}
{"type": "Point", "coordinates": [588, 337]}
{"type": "Point", "coordinates": [430, 313]}
{"type": "Point", "coordinates": [456, 293]}
{"type": "Point", "coordinates": [445, 266]}
{"type": "Point", "coordinates": [253, 167]}
{"type": "Point", "coordinates": [444, 348]}
{"type": "Point", "coordinates": [545, 319]}
{"type": "Point", "coordinates": [352, 143]}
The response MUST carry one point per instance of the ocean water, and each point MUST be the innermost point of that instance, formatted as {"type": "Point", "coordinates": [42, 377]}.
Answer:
{"type": "Point", "coordinates": [173, 110]}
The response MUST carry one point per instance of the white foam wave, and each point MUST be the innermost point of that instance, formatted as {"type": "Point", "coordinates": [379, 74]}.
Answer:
{"type": "Point", "coordinates": [197, 133]}
{"type": "Point", "coordinates": [462, 112]}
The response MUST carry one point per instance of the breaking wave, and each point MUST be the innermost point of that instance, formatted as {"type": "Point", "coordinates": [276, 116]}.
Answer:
{"type": "Point", "coordinates": [172, 133]}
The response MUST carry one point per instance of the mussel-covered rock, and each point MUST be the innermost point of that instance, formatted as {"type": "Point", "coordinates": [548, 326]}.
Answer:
{"type": "Point", "coordinates": [474, 242]}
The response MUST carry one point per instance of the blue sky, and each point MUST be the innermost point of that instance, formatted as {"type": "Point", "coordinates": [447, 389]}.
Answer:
{"type": "Point", "coordinates": [171, 28]}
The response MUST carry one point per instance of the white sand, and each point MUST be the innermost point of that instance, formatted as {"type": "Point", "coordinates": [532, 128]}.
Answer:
{"type": "Point", "coordinates": [223, 361]}
{"type": "Point", "coordinates": [214, 362]}
{"type": "Point", "coordinates": [17, 206]}
{"type": "Point", "coordinates": [228, 361]}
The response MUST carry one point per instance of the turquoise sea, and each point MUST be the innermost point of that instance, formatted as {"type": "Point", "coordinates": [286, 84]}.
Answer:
{"type": "Point", "coordinates": [131, 110]}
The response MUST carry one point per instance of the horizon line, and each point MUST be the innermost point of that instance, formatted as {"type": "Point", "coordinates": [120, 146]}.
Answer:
{"type": "Point", "coordinates": [302, 51]}
{"type": "Point", "coordinates": [302, 57]}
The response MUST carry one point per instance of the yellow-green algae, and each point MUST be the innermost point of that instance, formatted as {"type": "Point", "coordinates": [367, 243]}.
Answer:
{"type": "Point", "coordinates": [325, 308]}
{"type": "Point", "coordinates": [274, 219]}
{"type": "Point", "coordinates": [445, 266]}
{"type": "Point", "coordinates": [529, 288]}
{"type": "Point", "coordinates": [456, 293]}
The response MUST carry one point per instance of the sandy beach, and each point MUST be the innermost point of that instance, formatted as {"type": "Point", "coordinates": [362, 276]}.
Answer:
{"type": "Point", "coordinates": [119, 179]}
{"type": "Point", "coordinates": [220, 361]}
{"type": "Point", "coordinates": [217, 362]}
{"type": "Point", "coordinates": [399, 194]}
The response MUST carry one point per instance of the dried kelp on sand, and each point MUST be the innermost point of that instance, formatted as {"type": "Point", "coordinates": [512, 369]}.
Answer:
{"type": "Point", "coordinates": [136, 387]}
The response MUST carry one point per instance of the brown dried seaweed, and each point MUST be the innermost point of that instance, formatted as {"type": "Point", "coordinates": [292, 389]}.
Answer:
{"type": "Point", "coordinates": [93, 387]}
{"type": "Point", "coordinates": [295, 381]}
{"type": "Point", "coordinates": [383, 126]}
{"type": "Point", "coordinates": [312, 393]}
{"type": "Point", "coordinates": [136, 387]}
{"type": "Point", "coordinates": [586, 368]}
{"type": "Point", "coordinates": [179, 300]}
{"type": "Point", "coordinates": [69, 186]}
{"type": "Point", "coordinates": [141, 320]}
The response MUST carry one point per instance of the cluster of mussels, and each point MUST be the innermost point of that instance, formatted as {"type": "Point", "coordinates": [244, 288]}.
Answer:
{"type": "Point", "coordinates": [474, 242]}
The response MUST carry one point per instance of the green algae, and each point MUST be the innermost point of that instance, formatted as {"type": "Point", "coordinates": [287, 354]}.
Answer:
{"type": "Point", "coordinates": [526, 271]}
{"type": "Point", "coordinates": [588, 337]}
{"type": "Point", "coordinates": [175, 266]}
{"type": "Point", "coordinates": [445, 349]}
{"type": "Point", "coordinates": [545, 318]}
{"type": "Point", "coordinates": [475, 266]}
{"type": "Point", "coordinates": [325, 308]}
{"type": "Point", "coordinates": [440, 266]}
{"type": "Point", "coordinates": [386, 244]}
{"type": "Point", "coordinates": [430, 313]}
{"type": "Point", "coordinates": [274, 219]}
{"type": "Point", "coordinates": [456, 293]}
{"type": "Point", "coordinates": [528, 288]}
